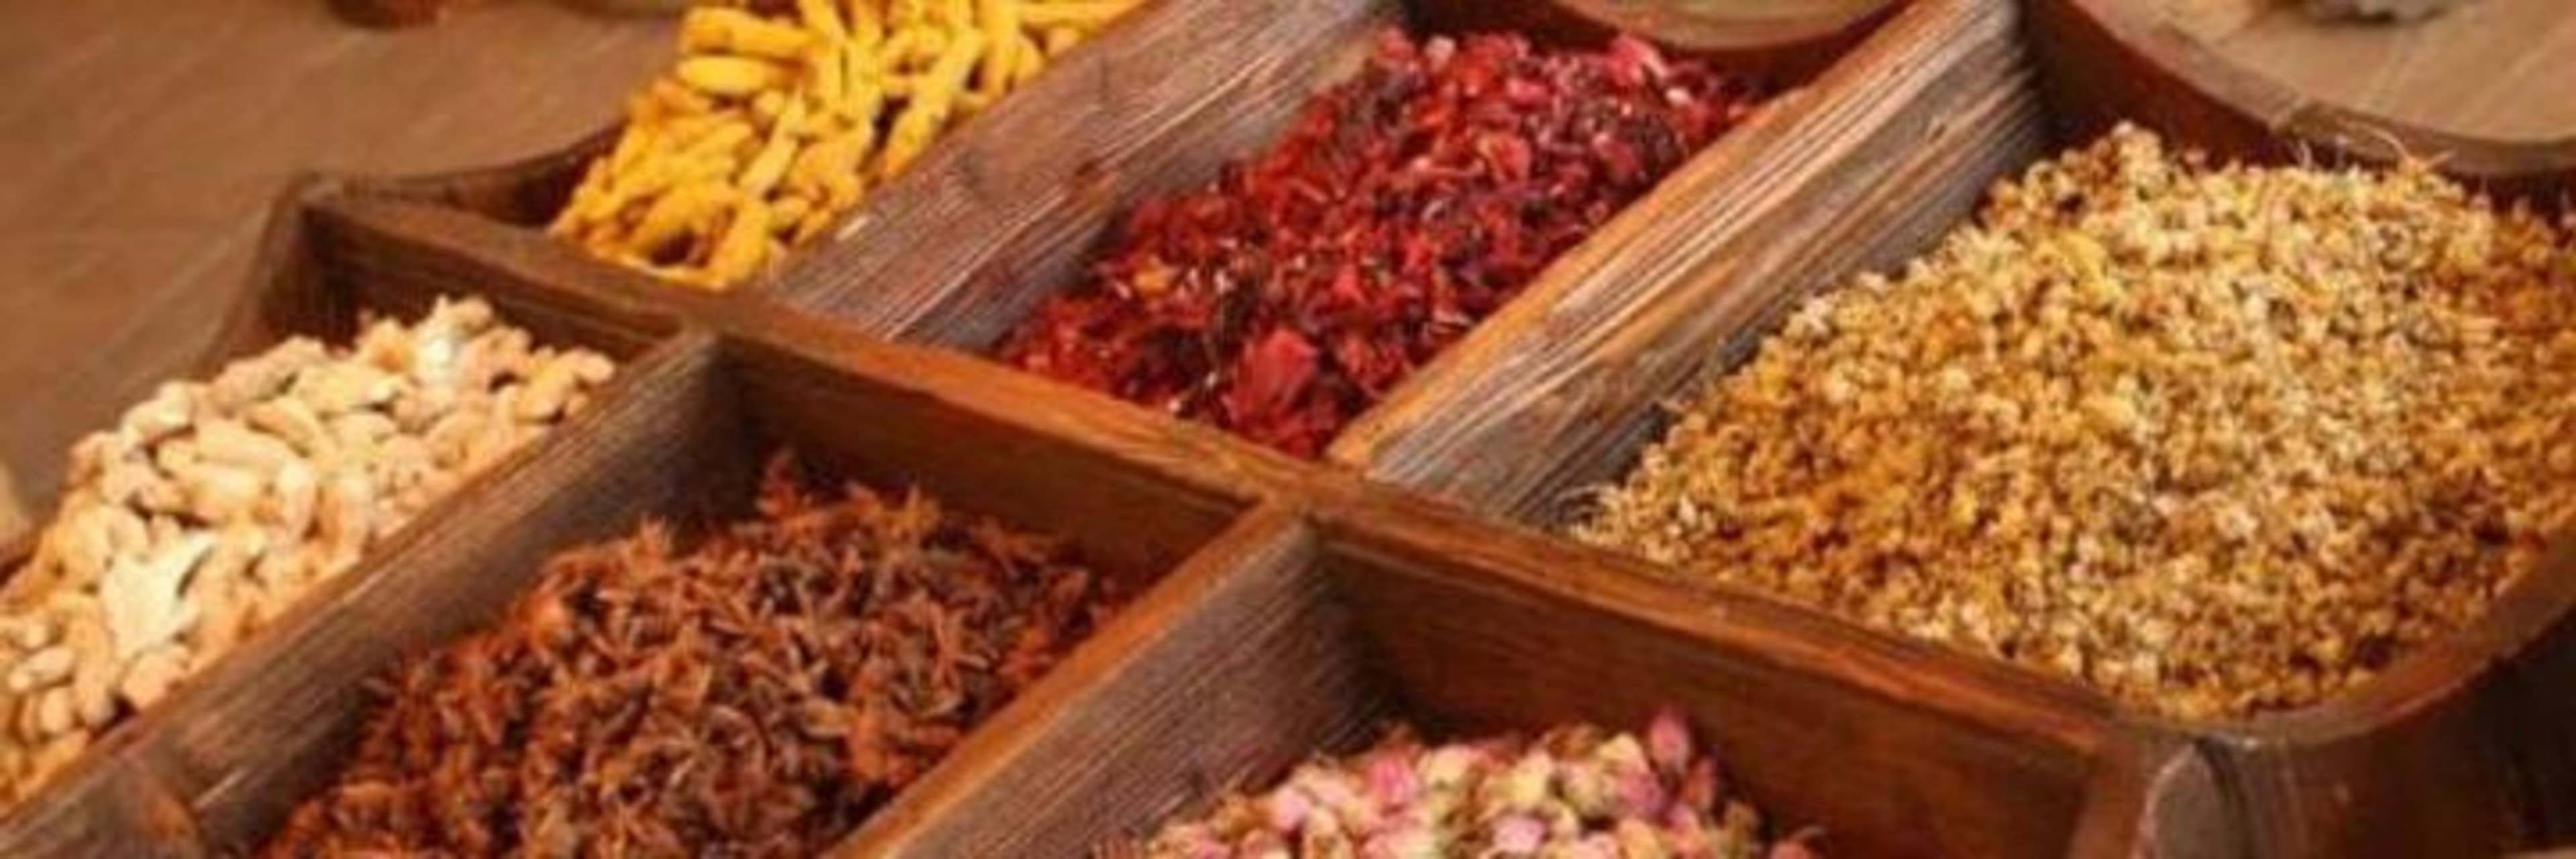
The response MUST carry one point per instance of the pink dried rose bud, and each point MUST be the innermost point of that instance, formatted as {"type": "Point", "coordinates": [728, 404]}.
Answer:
{"type": "Point", "coordinates": [1574, 793]}
{"type": "Point", "coordinates": [1393, 780]}
{"type": "Point", "coordinates": [1668, 742]}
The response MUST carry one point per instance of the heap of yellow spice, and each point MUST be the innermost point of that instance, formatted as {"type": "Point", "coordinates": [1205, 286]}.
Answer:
{"type": "Point", "coordinates": [779, 116]}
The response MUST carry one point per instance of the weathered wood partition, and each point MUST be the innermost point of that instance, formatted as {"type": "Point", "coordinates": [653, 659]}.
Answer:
{"type": "Point", "coordinates": [1289, 607]}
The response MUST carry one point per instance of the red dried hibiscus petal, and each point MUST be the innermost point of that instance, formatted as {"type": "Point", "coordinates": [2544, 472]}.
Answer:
{"type": "Point", "coordinates": [1403, 207]}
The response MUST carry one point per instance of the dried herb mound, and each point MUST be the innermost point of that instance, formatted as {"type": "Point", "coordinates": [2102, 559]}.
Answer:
{"type": "Point", "coordinates": [1403, 207]}
{"type": "Point", "coordinates": [2214, 440]}
{"type": "Point", "coordinates": [756, 696]}
{"type": "Point", "coordinates": [1575, 793]}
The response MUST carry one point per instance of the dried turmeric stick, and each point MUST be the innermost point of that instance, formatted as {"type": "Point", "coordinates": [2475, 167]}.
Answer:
{"type": "Point", "coordinates": [799, 106]}
{"type": "Point", "coordinates": [731, 76]}
{"type": "Point", "coordinates": [1000, 22]}
{"type": "Point", "coordinates": [933, 101]}
{"type": "Point", "coordinates": [709, 29]}
{"type": "Point", "coordinates": [745, 244]}
{"type": "Point", "coordinates": [1076, 14]}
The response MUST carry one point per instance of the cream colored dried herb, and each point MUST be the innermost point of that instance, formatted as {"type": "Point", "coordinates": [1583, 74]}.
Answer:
{"type": "Point", "coordinates": [214, 505]}
{"type": "Point", "coordinates": [2216, 441]}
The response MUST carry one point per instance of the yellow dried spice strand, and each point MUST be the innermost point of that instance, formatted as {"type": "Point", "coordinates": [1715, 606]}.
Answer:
{"type": "Point", "coordinates": [778, 116]}
{"type": "Point", "coordinates": [2215, 441]}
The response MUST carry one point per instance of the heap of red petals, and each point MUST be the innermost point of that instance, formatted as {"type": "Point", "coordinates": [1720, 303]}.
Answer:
{"type": "Point", "coordinates": [1404, 206]}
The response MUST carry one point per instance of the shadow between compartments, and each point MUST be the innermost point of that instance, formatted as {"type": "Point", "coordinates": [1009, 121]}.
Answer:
{"type": "Point", "coordinates": [138, 788]}
{"type": "Point", "coordinates": [2468, 744]}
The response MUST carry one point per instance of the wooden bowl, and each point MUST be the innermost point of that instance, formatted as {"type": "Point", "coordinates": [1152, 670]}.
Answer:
{"type": "Point", "coordinates": [2107, 60]}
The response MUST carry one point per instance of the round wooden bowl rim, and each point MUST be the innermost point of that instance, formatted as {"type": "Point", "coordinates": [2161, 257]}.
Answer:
{"type": "Point", "coordinates": [2301, 117]}
{"type": "Point", "coordinates": [1690, 33]}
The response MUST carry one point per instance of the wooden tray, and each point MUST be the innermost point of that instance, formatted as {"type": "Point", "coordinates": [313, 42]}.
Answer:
{"type": "Point", "coordinates": [131, 793]}
{"type": "Point", "coordinates": [1298, 603]}
{"type": "Point", "coordinates": [1301, 607]}
{"type": "Point", "coordinates": [2467, 747]}
{"type": "Point", "coordinates": [959, 250]}
{"type": "Point", "coordinates": [217, 765]}
{"type": "Point", "coordinates": [1311, 636]}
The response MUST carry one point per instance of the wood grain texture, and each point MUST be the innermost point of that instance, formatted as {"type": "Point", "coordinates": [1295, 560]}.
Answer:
{"type": "Point", "coordinates": [1785, 40]}
{"type": "Point", "coordinates": [2458, 747]}
{"type": "Point", "coordinates": [2109, 60]}
{"type": "Point", "coordinates": [873, 420]}
{"type": "Point", "coordinates": [237, 744]}
{"type": "Point", "coordinates": [1281, 642]}
{"type": "Point", "coordinates": [914, 378]}
{"type": "Point", "coordinates": [994, 222]}
{"type": "Point", "coordinates": [680, 437]}
{"type": "Point", "coordinates": [2446, 751]}
{"type": "Point", "coordinates": [309, 288]}
{"type": "Point", "coordinates": [148, 134]}
{"type": "Point", "coordinates": [2442, 753]}
{"type": "Point", "coordinates": [379, 241]}
{"type": "Point", "coordinates": [1234, 671]}
{"type": "Point", "coordinates": [1862, 168]}
{"type": "Point", "coordinates": [1340, 597]}
{"type": "Point", "coordinates": [2492, 68]}
{"type": "Point", "coordinates": [248, 739]}
{"type": "Point", "coordinates": [1483, 629]}
{"type": "Point", "coordinates": [1035, 163]}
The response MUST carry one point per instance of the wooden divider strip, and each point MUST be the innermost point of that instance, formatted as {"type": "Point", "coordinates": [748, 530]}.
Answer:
{"type": "Point", "coordinates": [1861, 168]}
{"type": "Point", "coordinates": [1194, 685]}
{"type": "Point", "coordinates": [238, 743]}
{"type": "Point", "coordinates": [1189, 453]}
{"type": "Point", "coordinates": [1003, 213]}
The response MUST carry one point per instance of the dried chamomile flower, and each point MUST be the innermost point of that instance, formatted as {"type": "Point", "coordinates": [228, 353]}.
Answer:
{"type": "Point", "coordinates": [2216, 440]}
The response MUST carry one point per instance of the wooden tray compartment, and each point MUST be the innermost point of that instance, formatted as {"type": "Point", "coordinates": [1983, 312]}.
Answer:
{"type": "Point", "coordinates": [994, 228]}
{"type": "Point", "coordinates": [1307, 638]}
{"type": "Point", "coordinates": [308, 283]}
{"type": "Point", "coordinates": [1157, 67]}
{"type": "Point", "coordinates": [218, 765]}
{"type": "Point", "coordinates": [2451, 751]}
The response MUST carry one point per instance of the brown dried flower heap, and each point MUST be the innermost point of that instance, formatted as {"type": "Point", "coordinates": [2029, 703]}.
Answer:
{"type": "Point", "coordinates": [756, 696]}
{"type": "Point", "coordinates": [2216, 441]}
{"type": "Point", "coordinates": [213, 506]}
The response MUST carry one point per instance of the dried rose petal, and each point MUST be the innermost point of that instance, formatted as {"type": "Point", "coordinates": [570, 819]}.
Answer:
{"type": "Point", "coordinates": [1305, 284]}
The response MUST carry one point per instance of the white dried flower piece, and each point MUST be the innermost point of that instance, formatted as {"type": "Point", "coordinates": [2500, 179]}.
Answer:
{"type": "Point", "coordinates": [213, 506]}
{"type": "Point", "coordinates": [2213, 440]}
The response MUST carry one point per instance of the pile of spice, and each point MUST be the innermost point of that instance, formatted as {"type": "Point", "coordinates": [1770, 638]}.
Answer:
{"type": "Point", "coordinates": [758, 695]}
{"type": "Point", "coordinates": [780, 115]}
{"type": "Point", "coordinates": [214, 506]}
{"type": "Point", "coordinates": [2214, 440]}
{"type": "Point", "coordinates": [1575, 792]}
{"type": "Point", "coordinates": [1404, 206]}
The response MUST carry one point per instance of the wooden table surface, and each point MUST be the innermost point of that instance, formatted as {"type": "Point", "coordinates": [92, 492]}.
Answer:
{"type": "Point", "coordinates": [147, 136]}
{"type": "Point", "coordinates": [2495, 68]}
